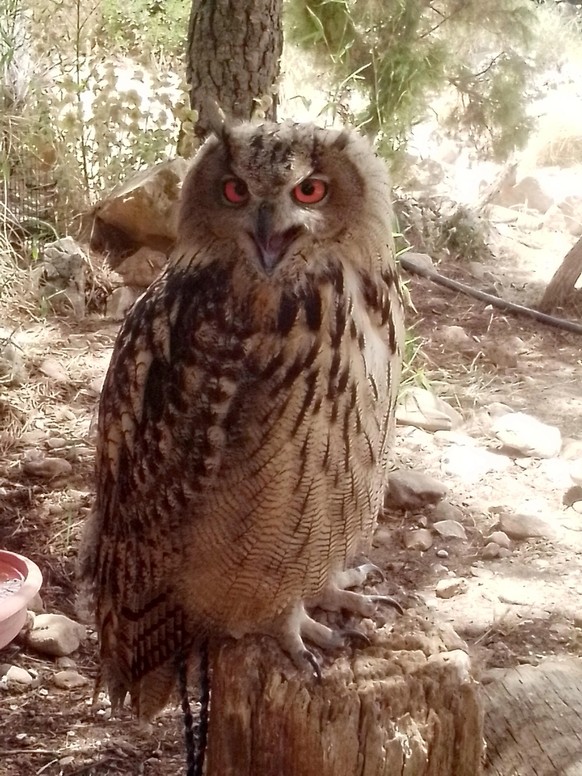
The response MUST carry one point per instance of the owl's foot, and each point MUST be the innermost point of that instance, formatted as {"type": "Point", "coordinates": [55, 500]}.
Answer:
{"type": "Point", "coordinates": [296, 624]}
{"type": "Point", "coordinates": [337, 595]}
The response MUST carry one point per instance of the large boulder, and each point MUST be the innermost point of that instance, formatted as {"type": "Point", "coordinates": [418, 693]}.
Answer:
{"type": "Point", "coordinates": [142, 213]}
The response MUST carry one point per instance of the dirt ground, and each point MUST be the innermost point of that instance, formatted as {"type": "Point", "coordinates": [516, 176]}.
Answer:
{"type": "Point", "coordinates": [513, 610]}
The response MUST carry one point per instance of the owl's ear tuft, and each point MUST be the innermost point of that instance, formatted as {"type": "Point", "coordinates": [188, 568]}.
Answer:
{"type": "Point", "coordinates": [341, 140]}
{"type": "Point", "coordinates": [216, 118]}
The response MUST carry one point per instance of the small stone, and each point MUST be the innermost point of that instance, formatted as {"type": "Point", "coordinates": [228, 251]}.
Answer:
{"type": "Point", "coordinates": [65, 663]}
{"type": "Point", "coordinates": [577, 507]}
{"type": "Point", "coordinates": [490, 551]}
{"type": "Point", "coordinates": [120, 301]}
{"type": "Point", "coordinates": [36, 604]}
{"type": "Point", "coordinates": [442, 554]}
{"type": "Point", "coordinates": [528, 435]}
{"type": "Point", "coordinates": [500, 538]}
{"type": "Point", "coordinates": [56, 443]}
{"type": "Point", "coordinates": [504, 552]}
{"type": "Point", "coordinates": [423, 409]}
{"type": "Point", "coordinates": [96, 385]}
{"type": "Point", "coordinates": [383, 537]}
{"type": "Point", "coordinates": [457, 337]}
{"type": "Point", "coordinates": [446, 511]}
{"type": "Point", "coordinates": [47, 468]}
{"type": "Point", "coordinates": [53, 369]}
{"type": "Point", "coordinates": [410, 489]}
{"type": "Point", "coordinates": [420, 539]}
{"type": "Point", "coordinates": [447, 588]}
{"type": "Point", "coordinates": [15, 675]}
{"type": "Point", "coordinates": [518, 526]}
{"type": "Point", "coordinates": [451, 529]}
{"type": "Point", "coordinates": [55, 634]}
{"type": "Point", "coordinates": [69, 680]}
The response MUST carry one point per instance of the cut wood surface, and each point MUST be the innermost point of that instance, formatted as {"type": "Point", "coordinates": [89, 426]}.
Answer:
{"type": "Point", "coordinates": [407, 704]}
{"type": "Point", "coordinates": [533, 723]}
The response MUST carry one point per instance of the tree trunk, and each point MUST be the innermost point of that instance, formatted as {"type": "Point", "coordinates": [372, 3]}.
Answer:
{"type": "Point", "coordinates": [564, 280]}
{"type": "Point", "coordinates": [407, 704]}
{"type": "Point", "coordinates": [234, 48]}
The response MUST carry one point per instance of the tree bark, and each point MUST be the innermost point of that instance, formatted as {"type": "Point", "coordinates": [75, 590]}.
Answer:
{"type": "Point", "coordinates": [564, 280]}
{"type": "Point", "coordinates": [407, 704]}
{"type": "Point", "coordinates": [234, 48]}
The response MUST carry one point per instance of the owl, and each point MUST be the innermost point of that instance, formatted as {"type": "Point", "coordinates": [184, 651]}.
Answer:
{"type": "Point", "coordinates": [247, 414]}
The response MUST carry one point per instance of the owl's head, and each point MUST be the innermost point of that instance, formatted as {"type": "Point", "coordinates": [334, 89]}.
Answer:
{"type": "Point", "coordinates": [284, 197]}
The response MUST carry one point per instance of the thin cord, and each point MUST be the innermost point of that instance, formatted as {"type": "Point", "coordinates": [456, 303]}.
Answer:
{"type": "Point", "coordinates": [189, 740]}
{"type": "Point", "coordinates": [204, 679]}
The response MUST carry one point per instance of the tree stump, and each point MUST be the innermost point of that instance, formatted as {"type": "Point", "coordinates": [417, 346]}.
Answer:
{"type": "Point", "coordinates": [406, 704]}
{"type": "Point", "coordinates": [564, 280]}
{"type": "Point", "coordinates": [534, 716]}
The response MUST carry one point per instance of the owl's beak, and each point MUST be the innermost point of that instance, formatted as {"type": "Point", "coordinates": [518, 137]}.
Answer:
{"type": "Point", "coordinates": [271, 245]}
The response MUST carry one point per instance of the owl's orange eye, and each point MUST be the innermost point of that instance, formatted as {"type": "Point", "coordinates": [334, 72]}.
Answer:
{"type": "Point", "coordinates": [310, 191]}
{"type": "Point", "coordinates": [235, 191]}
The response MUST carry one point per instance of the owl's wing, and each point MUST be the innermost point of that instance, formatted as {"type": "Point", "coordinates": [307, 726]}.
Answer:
{"type": "Point", "coordinates": [175, 372]}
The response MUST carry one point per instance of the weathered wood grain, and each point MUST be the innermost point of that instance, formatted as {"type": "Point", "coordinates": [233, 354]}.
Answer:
{"type": "Point", "coordinates": [407, 704]}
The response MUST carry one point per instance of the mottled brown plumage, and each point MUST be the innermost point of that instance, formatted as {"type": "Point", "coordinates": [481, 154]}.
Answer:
{"type": "Point", "coordinates": [246, 418]}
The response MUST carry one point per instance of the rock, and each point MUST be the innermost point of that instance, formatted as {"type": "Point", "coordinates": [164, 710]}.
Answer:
{"type": "Point", "coordinates": [490, 551]}
{"type": "Point", "coordinates": [142, 267]}
{"type": "Point", "coordinates": [420, 260]}
{"type": "Point", "coordinates": [69, 680]}
{"type": "Point", "coordinates": [528, 191]}
{"type": "Point", "coordinates": [451, 529]}
{"type": "Point", "coordinates": [55, 634]}
{"type": "Point", "coordinates": [572, 495]}
{"type": "Point", "coordinates": [442, 554]}
{"type": "Point", "coordinates": [12, 370]}
{"type": "Point", "coordinates": [120, 300]}
{"type": "Point", "coordinates": [446, 511]}
{"type": "Point", "coordinates": [65, 663]}
{"type": "Point", "coordinates": [556, 470]}
{"type": "Point", "coordinates": [142, 211]}
{"type": "Point", "coordinates": [504, 552]}
{"type": "Point", "coordinates": [54, 369]}
{"type": "Point", "coordinates": [36, 604]}
{"type": "Point", "coordinates": [518, 526]}
{"type": "Point", "coordinates": [15, 675]}
{"type": "Point", "coordinates": [528, 435]}
{"type": "Point", "coordinates": [410, 489]}
{"type": "Point", "coordinates": [500, 538]}
{"type": "Point", "coordinates": [571, 208]}
{"type": "Point", "coordinates": [421, 408]}
{"type": "Point", "coordinates": [497, 408]}
{"type": "Point", "coordinates": [47, 468]}
{"type": "Point", "coordinates": [457, 337]}
{"type": "Point", "coordinates": [61, 277]}
{"type": "Point", "coordinates": [419, 539]}
{"type": "Point", "coordinates": [470, 464]}
{"type": "Point", "coordinates": [447, 588]}
{"type": "Point", "coordinates": [577, 507]}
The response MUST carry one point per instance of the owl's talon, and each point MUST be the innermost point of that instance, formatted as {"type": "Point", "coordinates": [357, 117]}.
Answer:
{"type": "Point", "coordinates": [388, 600]}
{"type": "Point", "coordinates": [309, 658]}
{"type": "Point", "coordinates": [355, 635]}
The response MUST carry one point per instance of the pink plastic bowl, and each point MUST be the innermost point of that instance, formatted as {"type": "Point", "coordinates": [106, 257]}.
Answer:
{"type": "Point", "coordinates": [20, 581]}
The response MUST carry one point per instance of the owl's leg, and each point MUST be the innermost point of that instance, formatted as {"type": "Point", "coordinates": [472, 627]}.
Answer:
{"type": "Point", "coordinates": [295, 624]}
{"type": "Point", "coordinates": [337, 595]}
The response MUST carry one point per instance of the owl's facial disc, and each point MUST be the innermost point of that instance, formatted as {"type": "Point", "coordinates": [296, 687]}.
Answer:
{"type": "Point", "coordinates": [271, 244]}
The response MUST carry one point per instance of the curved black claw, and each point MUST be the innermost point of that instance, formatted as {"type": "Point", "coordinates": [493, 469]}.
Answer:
{"type": "Point", "coordinates": [310, 658]}
{"type": "Point", "coordinates": [371, 568]}
{"type": "Point", "coordinates": [386, 599]}
{"type": "Point", "coordinates": [356, 635]}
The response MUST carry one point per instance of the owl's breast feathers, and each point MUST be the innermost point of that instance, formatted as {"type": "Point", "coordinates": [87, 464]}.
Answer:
{"type": "Point", "coordinates": [243, 437]}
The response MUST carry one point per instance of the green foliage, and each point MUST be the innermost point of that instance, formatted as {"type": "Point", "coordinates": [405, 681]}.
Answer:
{"type": "Point", "coordinates": [91, 115]}
{"type": "Point", "coordinates": [159, 26]}
{"type": "Point", "coordinates": [398, 55]}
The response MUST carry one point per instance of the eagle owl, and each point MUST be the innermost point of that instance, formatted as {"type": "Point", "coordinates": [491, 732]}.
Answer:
{"type": "Point", "coordinates": [246, 418]}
